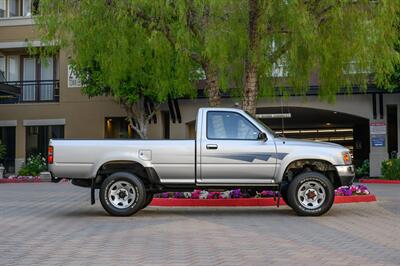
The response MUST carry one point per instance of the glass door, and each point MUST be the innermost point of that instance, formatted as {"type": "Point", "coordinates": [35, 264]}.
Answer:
{"type": "Point", "coordinates": [46, 77]}
{"type": "Point", "coordinates": [29, 77]}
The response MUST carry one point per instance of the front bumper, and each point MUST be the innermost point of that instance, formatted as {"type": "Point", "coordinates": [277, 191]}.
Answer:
{"type": "Point", "coordinates": [346, 174]}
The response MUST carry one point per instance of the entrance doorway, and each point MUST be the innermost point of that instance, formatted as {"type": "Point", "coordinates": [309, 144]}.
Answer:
{"type": "Point", "coordinates": [37, 138]}
{"type": "Point", "coordinates": [7, 138]}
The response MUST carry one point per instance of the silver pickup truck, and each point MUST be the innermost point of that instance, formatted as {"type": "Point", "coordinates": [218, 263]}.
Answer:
{"type": "Point", "coordinates": [232, 149]}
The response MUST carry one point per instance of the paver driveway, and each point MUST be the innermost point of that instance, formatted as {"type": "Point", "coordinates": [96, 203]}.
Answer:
{"type": "Point", "coordinates": [55, 224]}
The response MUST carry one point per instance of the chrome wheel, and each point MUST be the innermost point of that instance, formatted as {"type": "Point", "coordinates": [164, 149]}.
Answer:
{"type": "Point", "coordinates": [311, 195]}
{"type": "Point", "coordinates": [121, 194]}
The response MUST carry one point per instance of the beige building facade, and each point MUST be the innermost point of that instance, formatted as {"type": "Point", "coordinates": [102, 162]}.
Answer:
{"type": "Point", "coordinates": [42, 100]}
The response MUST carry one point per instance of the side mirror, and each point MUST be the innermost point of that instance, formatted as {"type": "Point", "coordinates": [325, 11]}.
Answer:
{"type": "Point", "coordinates": [262, 136]}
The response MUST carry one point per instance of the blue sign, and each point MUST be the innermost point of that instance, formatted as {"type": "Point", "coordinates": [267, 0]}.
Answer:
{"type": "Point", "coordinates": [378, 140]}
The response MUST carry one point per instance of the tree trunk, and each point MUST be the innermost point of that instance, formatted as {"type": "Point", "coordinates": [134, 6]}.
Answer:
{"type": "Point", "coordinates": [250, 93]}
{"type": "Point", "coordinates": [138, 118]}
{"type": "Point", "coordinates": [212, 88]}
{"type": "Point", "coordinates": [250, 90]}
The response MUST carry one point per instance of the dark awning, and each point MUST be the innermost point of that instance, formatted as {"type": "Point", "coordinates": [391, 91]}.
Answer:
{"type": "Point", "coordinates": [9, 89]}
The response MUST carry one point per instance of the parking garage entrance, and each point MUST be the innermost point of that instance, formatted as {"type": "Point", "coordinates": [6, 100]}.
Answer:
{"type": "Point", "coordinates": [322, 125]}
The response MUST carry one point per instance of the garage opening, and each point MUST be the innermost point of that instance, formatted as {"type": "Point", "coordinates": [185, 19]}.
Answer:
{"type": "Point", "coordinates": [322, 125]}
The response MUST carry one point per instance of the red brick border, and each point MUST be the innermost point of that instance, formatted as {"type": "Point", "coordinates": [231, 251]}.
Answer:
{"type": "Point", "coordinates": [379, 181]}
{"type": "Point", "coordinates": [255, 202]}
{"type": "Point", "coordinates": [21, 180]}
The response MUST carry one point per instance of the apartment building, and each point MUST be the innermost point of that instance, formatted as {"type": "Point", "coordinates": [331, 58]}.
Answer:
{"type": "Point", "coordinates": [41, 99]}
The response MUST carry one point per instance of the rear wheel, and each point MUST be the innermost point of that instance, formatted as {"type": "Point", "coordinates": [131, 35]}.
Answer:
{"type": "Point", "coordinates": [311, 194]}
{"type": "Point", "coordinates": [122, 194]}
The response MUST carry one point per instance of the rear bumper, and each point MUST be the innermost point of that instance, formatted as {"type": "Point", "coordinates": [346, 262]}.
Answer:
{"type": "Point", "coordinates": [346, 174]}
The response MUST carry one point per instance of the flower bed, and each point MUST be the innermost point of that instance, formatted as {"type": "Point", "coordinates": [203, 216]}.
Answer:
{"type": "Point", "coordinates": [235, 198]}
{"type": "Point", "coordinates": [353, 190]}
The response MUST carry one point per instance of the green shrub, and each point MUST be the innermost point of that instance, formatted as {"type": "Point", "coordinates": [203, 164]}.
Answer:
{"type": "Point", "coordinates": [34, 165]}
{"type": "Point", "coordinates": [391, 169]}
{"type": "Point", "coordinates": [363, 170]}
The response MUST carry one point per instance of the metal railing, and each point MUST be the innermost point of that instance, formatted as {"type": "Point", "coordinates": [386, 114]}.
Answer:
{"type": "Point", "coordinates": [30, 91]}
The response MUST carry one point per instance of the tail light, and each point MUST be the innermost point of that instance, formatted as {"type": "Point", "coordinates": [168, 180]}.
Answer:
{"type": "Point", "coordinates": [50, 155]}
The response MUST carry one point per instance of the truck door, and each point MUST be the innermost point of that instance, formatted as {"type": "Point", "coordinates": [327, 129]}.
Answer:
{"type": "Point", "coordinates": [231, 151]}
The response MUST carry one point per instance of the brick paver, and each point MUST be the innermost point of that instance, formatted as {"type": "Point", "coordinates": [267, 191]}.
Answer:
{"type": "Point", "coordinates": [54, 224]}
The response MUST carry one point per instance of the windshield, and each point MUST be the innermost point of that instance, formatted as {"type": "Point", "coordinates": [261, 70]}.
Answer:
{"type": "Point", "coordinates": [261, 123]}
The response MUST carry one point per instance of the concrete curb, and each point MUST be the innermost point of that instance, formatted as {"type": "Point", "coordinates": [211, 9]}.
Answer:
{"type": "Point", "coordinates": [252, 202]}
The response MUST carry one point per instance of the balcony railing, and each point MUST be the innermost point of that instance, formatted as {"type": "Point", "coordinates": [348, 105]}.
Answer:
{"type": "Point", "coordinates": [29, 91]}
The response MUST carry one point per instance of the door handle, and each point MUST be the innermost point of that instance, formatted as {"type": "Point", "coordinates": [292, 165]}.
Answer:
{"type": "Point", "coordinates": [212, 146]}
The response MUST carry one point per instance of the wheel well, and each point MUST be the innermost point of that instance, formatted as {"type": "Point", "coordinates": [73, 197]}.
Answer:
{"type": "Point", "coordinates": [122, 166]}
{"type": "Point", "coordinates": [322, 166]}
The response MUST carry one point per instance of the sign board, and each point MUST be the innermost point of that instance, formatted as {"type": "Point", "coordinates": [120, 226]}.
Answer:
{"type": "Point", "coordinates": [378, 134]}
{"type": "Point", "coordinates": [73, 80]}
{"type": "Point", "coordinates": [378, 140]}
{"type": "Point", "coordinates": [377, 128]}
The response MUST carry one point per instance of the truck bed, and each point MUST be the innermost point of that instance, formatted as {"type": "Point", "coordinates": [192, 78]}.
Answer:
{"type": "Point", "coordinates": [175, 159]}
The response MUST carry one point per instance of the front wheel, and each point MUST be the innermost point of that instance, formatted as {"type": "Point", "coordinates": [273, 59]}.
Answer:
{"type": "Point", "coordinates": [311, 194]}
{"type": "Point", "coordinates": [122, 194]}
{"type": "Point", "coordinates": [149, 198]}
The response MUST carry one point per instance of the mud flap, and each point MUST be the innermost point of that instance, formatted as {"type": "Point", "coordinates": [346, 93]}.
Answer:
{"type": "Point", "coordinates": [92, 190]}
{"type": "Point", "coordinates": [278, 200]}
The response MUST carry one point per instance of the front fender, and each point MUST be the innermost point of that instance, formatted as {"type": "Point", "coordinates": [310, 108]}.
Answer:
{"type": "Point", "coordinates": [301, 156]}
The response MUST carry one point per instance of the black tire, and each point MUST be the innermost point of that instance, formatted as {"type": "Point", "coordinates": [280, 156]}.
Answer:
{"type": "Point", "coordinates": [320, 185]}
{"type": "Point", "coordinates": [284, 193]}
{"type": "Point", "coordinates": [149, 198]}
{"type": "Point", "coordinates": [136, 187]}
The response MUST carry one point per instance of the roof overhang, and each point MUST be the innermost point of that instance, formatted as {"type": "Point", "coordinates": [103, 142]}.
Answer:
{"type": "Point", "coordinates": [23, 44]}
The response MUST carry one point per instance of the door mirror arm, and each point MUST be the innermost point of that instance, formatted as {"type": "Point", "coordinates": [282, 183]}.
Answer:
{"type": "Point", "coordinates": [262, 136]}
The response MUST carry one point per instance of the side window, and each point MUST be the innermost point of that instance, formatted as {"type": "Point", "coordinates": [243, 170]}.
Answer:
{"type": "Point", "coordinates": [230, 125]}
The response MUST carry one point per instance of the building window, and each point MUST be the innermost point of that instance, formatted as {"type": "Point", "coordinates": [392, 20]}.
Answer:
{"type": "Point", "coordinates": [37, 138]}
{"type": "Point", "coordinates": [2, 8]}
{"type": "Point", "coordinates": [18, 8]}
{"type": "Point", "coordinates": [2, 68]}
{"type": "Point", "coordinates": [14, 8]}
{"type": "Point", "coordinates": [118, 128]}
{"type": "Point", "coordinates": [13, 68]}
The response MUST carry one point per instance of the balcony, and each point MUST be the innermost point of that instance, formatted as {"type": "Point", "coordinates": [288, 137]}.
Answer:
{"type": "Point", "coordinates": [27, 91]}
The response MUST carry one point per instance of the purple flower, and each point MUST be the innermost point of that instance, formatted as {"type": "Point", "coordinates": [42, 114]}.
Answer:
{"type": "Point", "coordinates": [235, 193]}
{"type": "Point", "coordinates": [178, 195]}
